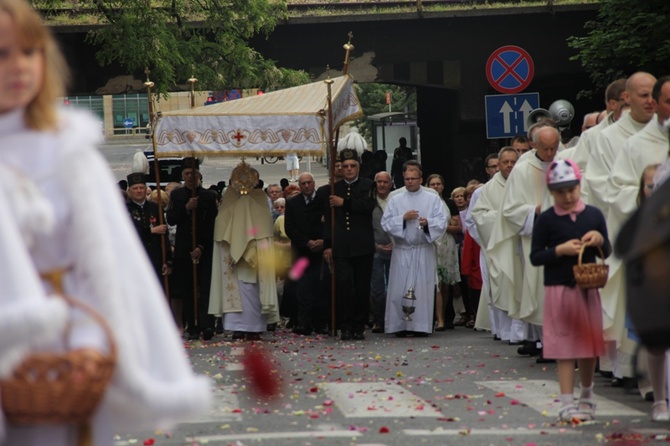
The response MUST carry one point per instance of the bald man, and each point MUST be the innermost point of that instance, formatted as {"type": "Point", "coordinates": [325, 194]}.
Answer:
{"type": "Point", "coordinates": [610, 142]}
{"type": "Point", "coordinates": [525, 196]}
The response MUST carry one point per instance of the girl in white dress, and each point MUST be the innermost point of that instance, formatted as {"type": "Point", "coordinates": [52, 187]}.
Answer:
{"type": "Point", "coordinates": [61, 212]}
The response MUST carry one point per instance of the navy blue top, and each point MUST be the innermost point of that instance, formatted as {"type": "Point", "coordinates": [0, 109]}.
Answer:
{"type": "Point", "coordinates": [550, 230]}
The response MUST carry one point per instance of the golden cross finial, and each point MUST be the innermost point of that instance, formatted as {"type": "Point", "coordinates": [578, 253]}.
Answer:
{"type": "Point", "coordinates": [192, 80]}
{"type": "Point", "coordinates": [347, 48]}
{"type": "Point", "coordinates": [148, 82]}
{"type": "Point", "coordinates": [328, 80]}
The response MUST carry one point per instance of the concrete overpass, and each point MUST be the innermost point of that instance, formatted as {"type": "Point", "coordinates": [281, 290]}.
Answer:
{"type": "Point", "coordinates": [442, 54]}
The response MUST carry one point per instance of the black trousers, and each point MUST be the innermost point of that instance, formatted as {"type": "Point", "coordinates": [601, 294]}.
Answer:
{"type": "Point", "coordinates": [313, 305]}
{"type": "Point", "coordinates": [183, 289]}
{"type": "Point", "coordinates": [352, 291]}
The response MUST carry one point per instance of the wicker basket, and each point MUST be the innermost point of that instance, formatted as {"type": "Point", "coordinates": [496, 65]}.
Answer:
{"type": "Point", "coordinates": [591, 275]}
{"type": "Point", "coordinates": [59, 388]}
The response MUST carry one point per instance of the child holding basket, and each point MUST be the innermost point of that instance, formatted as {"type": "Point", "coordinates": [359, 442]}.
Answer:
{"type": "Point", "coordinates": [572, 322]}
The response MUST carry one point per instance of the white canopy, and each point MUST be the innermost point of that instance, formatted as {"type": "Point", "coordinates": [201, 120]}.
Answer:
{"type": "Point", "coordinates": [290, 120]}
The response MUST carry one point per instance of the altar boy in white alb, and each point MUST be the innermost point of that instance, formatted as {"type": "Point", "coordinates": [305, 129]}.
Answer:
{"type": "Point", "coordinates": [414, 218]}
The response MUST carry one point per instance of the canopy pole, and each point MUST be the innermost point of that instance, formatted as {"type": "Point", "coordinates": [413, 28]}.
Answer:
{"type": "Point", "coordinates": [331, 174]}
{"type": "Point", "coordinates": [194, 228]}
{"type": "Point", "coordinates": [153, 122]}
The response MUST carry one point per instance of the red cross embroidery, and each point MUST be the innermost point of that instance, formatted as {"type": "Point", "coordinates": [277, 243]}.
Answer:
{"type": "Point", "coordinates": [238, 136]}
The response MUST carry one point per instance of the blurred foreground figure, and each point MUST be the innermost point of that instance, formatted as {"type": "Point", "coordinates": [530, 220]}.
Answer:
{"type": "Point", "coordinates": [86, 244]}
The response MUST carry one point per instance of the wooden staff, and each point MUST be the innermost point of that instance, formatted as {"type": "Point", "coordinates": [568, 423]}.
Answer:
{"type": "Point", "coordinates": [331, 170]}
{"type": "Point", "coordinates": [194, 244]}
{"type": "Point", "coordinates": [153, 121]}
{"type": "Point", "coordinates": [194, 223]}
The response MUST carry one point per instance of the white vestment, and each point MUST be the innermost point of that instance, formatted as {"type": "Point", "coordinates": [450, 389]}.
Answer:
{"type": "Point", "coordinates": [648, 146]}
{"type": "Point", "coordinates": [485, 213]}
{"type": "Point", "coordinates": [583, 150]}
{"type": "Point", "coordinates": [601, 159]}
{"type": "Point", "coordinates": [414, 260]}
{"type": "Point", "coordinates": [482, 318]}
{"type": "Point", "coordinates": [509, 245]}
{"type": "Point", "coordinates": [88, 233]}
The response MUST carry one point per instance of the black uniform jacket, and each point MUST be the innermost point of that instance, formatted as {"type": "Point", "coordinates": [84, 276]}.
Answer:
{"type": "Point", "coordinates": [144, 218]}
{"type": "Point", "coordinates": [303, 222]}
{"type": "Point", "coordinates": [205, 217]}
{"type": "Point", "coordinates": [353, 220]}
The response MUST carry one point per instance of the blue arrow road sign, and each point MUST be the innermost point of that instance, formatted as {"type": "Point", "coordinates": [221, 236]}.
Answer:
{"type": "Point", "coordinates": [128, 123]}
{"type": "Point", "coordinates": [506, 114]}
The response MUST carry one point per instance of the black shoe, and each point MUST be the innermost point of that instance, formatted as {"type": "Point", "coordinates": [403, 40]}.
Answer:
{"type": "Point", "coordinates": [252, 337]}
{"type": "Point", "coordinates": [238, 335]}
{"type": "Point", "coordinates": [193, 336]}
{"type": "Point", "coordinates": [440, 328]}
{"type": "Point", "coordinates": [419, 334]}
{"type": "Point", "coordinates": [496, 337]}
{"type": "Point", "coordinates": [378, 328]}
{"type": "Point", "coordinates": [358, 336]}
{"type": "Point", "coordinates": [271, 327]}
{"type": "Point", "coordinates": [529, 348]}
{"type": "Point", "coordinates": [515, 343]}
{"type": "Point", "coordinates": [346, 335]}
{"type": "Point", "coordinates": [626, 383]}
{"type": "Point", "coordinates": [401, 334]}
{"type": "Point", "coordinates": [649, 396]}
{"type": "Point", "coordinates": [606, 374]}
{"type": "Point", "coordinates": [207, 334]}
{"type": "Point", "coordinates": [303, 331]}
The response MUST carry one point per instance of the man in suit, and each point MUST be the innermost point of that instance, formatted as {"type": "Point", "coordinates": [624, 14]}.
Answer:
{"type": "Point", "coordinates": [305, 229]}
{"type": "Point", "coordinates": [352, 248]}
{"type": "Point", "coordinates": [145, 218]}
{"type": "Point", "coordinates": [184, 203]}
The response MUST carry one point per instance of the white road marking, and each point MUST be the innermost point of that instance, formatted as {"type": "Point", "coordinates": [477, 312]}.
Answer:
{"type": "Point", "coordinates": [372, 400]}
{"type": "Point", "coordinates": [225, 403]}
{"type": "Point", "coordinates": [507, 432]}
{"type": "Point", "coordinates": [276, 435]}
{"type": "Point", "coordinates": [542, 395]}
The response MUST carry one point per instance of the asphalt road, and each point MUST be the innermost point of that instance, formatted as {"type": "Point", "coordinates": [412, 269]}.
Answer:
{"type": "Point", "coordinates": [457, 387]}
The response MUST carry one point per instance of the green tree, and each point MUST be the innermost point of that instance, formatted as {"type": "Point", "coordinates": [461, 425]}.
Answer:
{"type": "Point", "coordinates": [626, 37]}
{"type": "Point", "coordinates": [176, 39]}
{"type": "Point", "coordinates": [373, 100]}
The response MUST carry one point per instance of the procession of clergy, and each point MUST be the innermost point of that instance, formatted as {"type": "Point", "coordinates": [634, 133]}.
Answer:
{"type": "Point", "coordinates": [615, 148]}
{"type": "Point", "coordinates": [630, 136]}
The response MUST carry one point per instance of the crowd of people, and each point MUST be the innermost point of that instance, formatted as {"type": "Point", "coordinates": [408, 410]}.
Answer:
{"type": "Point", "coordinates": [405, 259]}
{"type": "Point", "coordinates": [408, 260]}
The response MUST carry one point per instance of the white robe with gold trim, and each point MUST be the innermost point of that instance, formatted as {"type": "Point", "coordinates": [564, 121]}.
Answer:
{"type": "Point", "coordinates": [525, 189]}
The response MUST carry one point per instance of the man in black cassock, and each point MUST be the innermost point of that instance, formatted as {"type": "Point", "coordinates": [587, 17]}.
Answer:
{"type": "Point", "coordinates": [193, 198]}
{"type": "Point", "coordinates": [145, 218]}
{"type": "Point", "coordinates": [353, 246]}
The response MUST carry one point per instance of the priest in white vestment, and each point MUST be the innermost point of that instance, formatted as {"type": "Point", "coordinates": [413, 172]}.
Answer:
{"type": "Point", "coordinates": [526, 196]}
{"type": "Point", "coordinates": [244, 288]}
{"type": "Point", "coordinates": [484, 213]}
{"type": "Point", "coordinates": [648, 146]}
{"type": "Point", "coordinates": [610, 144]}
{"type": "Point", "coordinates": [611, 140]}
{"type": "Point", "coordinates": [414, 218]}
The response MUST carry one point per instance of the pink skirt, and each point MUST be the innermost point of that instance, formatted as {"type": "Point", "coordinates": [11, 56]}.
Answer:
{"type": "Point", "coordinates": [572, 323]}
